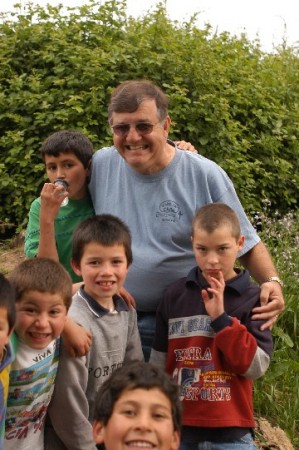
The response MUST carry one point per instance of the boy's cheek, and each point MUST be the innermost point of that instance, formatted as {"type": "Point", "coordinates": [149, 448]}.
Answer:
{"type": "Point", "coordinates": [60, 326]}
{"type": "Point", "coordinates": [19, 326]}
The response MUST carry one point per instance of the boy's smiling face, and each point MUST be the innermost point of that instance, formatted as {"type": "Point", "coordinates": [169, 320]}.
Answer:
{"type": "Point", "coordinates": [68, 167]}
{"type": "Point", "coordinates": [4, 330]}
{"type": "Point", "coordinates": [103, 269]}
{"type": "Point", "coordinates": [141, 418]}
{"type": "Point", "coordinates": [41, 317]}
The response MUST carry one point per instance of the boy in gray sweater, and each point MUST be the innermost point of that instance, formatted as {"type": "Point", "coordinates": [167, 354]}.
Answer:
{"type": "Point", "coordinates": [101, 254]}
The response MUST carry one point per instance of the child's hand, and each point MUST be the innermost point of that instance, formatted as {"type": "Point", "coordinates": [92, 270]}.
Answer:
{"type": "Point", "coordinates": [76, 287]}
{"type": "Point", "coordinates": [183, 145]}
{"type": "Point", "coordinates": [213, 296]}
{"type": "Point", "coordinates": [76, 338]}
{"type": "Point", "coordinates": [51, 198]}
{"type": "Point", "coordinates": [127, 297]}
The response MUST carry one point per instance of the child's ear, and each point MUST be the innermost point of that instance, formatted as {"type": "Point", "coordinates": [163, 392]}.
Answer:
{"type": "Point", "coordinates": [175, 444]}
{"type": "Point", "coordinates": [76, 268]}
{"type": "Point", "coordinates": [241, 241]}
{"type": "Point", "coordinates": [88, 169]}
{"type": "Point", "coordinates": [7, 339]}
{"type": "Point", "coordinates": [98, 432]}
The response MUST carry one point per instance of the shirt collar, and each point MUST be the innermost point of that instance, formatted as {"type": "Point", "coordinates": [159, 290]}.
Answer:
{"type": "Point", "coordinates": [239, 283]}
{"type": "Point", "coordinates": [97, 309]}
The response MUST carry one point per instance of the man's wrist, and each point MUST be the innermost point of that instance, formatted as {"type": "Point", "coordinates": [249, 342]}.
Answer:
{"type": "Point", "coordinates": [274, 278]}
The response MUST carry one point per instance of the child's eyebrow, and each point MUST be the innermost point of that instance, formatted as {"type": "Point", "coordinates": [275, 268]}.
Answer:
{"type": "Point", "coordinates": [135, 403]}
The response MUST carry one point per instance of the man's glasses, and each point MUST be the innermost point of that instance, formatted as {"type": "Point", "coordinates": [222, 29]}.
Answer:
{"type": "Point", "coordinates": [142, 128]}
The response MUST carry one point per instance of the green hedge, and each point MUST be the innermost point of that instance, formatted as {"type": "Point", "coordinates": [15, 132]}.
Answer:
{"type": "Point", "coordinates": [237, 105]}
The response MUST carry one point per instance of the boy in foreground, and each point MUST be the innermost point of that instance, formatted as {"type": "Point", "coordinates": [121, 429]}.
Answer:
{"type": "Point", "coordinates": [7, 322]}
{"type": "Point", "coordinates": [43, 295]}
{"type": "Point", "coordinates": [138, 407]}
{"type": "Point", "coordinates": [101, 254]}
{"type": "Point", "coordinates": [206, 339]}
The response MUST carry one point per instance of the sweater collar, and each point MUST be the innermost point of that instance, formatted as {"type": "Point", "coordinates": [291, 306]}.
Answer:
{"type": "Point", "coordinates": [97, 309]}
{"type": "Point", "coordinates": [239, 283]}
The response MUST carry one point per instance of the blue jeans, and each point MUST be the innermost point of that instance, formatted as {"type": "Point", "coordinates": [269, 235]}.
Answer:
{"type": "Point", "coordinates": [244, 443]}
{"type": "Point", "coordinates": [147, 325]}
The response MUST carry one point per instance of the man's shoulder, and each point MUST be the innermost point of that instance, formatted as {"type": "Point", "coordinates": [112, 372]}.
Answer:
{"type": "Point", "coordinates": [198, 162]}
{"type": "Point", "coordinates": [105, 152]}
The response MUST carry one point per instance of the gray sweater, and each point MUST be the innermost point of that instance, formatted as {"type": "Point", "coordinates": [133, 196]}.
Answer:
{"type": "Point", "coordinates": [115, 341]}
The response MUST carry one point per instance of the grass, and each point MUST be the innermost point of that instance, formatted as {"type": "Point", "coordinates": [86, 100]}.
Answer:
{"type": "Point", "coordinates": [276, 395]}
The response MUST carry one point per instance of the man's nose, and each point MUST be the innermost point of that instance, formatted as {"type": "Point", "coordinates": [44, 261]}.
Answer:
{"type": "Point", "coordinates": [133, 134]}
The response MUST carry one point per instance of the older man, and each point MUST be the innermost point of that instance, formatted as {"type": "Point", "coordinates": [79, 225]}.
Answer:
{"type": "Point", "coordinates": [156, 188]}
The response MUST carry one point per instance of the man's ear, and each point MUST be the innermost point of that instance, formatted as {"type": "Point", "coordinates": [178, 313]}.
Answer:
{"type": "Point", "coordinates": [98, 432]}
{"type": "Point", "coordinates": [75, 268]}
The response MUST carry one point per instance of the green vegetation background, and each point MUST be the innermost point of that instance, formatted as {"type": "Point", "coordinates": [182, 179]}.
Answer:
{"type": "Point", "coordinates": [236, 104]}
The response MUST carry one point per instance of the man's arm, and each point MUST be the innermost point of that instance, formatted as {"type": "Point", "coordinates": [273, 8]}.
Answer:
{"type": "Point", "coordinates": [260, 265]}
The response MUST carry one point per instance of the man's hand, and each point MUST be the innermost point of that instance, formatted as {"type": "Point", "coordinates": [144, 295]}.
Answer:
{"type": "Point", "coordinates": [183, 145]}
{"type": "Point", "coordinates": [127, 297]}
{"type": "Point", "coordinates": [272, 304]}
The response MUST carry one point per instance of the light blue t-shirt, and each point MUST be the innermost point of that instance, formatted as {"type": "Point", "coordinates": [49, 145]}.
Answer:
{"type": "Point", "coordinates": [159, 209]}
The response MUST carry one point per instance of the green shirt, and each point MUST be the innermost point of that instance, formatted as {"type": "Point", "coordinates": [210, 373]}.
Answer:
{"type": "Point", "coordinates": [67, 220]}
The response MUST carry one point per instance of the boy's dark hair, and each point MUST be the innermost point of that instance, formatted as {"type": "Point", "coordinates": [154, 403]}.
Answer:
{"type": "Point", "coordinates": [7, 300]}
{"type": "Point", "coordinates": [215, 215]}
{"type": "Point", "coordinates": [128, 96]}
{"type": "Point", "coordinates": [103, 229]}
{"type": "Point", "coordinates": [68, 141]}
{"type": "Point", "coordinates": [42, 275]}
{"type": "Point", "coordinates": [136, 375]}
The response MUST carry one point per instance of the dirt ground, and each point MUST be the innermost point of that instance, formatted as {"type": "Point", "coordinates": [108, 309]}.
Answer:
{"type": "Point", "coordinates": [268, 437]}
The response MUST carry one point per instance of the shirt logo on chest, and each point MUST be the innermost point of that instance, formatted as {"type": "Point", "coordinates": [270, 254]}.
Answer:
{"type": "Point", "coordinates": [169, 211]}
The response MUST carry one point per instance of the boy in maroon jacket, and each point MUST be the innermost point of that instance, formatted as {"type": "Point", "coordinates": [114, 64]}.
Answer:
{"type": "Point", "coordinates": [206, 339]}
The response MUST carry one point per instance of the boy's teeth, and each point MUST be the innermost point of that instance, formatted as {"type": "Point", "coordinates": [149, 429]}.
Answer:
{"type": "Point", "coordinates": [140, 444]}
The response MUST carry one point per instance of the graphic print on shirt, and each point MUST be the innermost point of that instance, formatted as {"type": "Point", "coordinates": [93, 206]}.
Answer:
{"type": "Point", "coordinates": [169, 211]}
{"type": "Point", "coordinates": [196, 372]}
{"type": "Point", "coordinates": [30, 391]}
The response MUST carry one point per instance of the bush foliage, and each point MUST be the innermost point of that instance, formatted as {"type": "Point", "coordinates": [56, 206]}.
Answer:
{"type": "Point", "coordinates": [237, 105]}
{"type": "Point", "coordinates": [276, 393]}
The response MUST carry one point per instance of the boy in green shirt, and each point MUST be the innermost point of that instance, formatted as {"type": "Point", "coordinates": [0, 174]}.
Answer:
{"type": "Point", "coordinates": [67, 156]}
